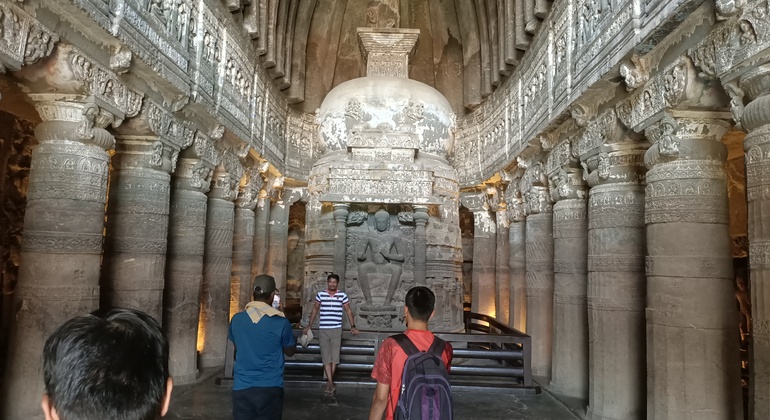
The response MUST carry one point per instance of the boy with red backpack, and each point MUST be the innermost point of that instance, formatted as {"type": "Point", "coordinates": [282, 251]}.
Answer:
{"type": "Point", "coordinates": [412, 369]}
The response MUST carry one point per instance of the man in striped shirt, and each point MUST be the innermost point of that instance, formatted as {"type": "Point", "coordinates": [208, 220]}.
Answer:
{"type": "Point", "coordinates": [330, 303]}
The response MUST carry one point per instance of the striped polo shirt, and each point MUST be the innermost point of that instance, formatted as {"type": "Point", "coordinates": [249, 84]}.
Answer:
{"type": "Point", "coordinates": [331, 308]}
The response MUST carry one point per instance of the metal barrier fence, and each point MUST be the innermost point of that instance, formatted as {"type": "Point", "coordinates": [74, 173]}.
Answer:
{"type": "Point", "coordinates": [487, 349]}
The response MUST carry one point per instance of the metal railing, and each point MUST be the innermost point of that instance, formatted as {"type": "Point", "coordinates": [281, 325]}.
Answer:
{"type": "Point", "coordinates": [488, 353]}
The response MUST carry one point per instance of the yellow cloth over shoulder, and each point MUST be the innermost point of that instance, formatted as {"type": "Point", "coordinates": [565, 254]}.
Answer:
{"type": "Point", "coordinates": [257, 310]}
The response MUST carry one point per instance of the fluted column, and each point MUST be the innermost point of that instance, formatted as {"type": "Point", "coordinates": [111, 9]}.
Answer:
{"type": "Point", "coordinates": [420, 244]}
{"type": "Point", "coordinates": [62, 241]}
{"type": "Point", "coordinates": [569, 373]}
{"type": "Point", "coordinates": [484, 243]}
{"type": "Point", "coordinates": [243, 242]}
{"type": "Point", "coordinates": [340, 239]}
{"type": "Point", "coordinates": [184, 262]}
{"type": "Point", "coordinates": [539, 243]}
{"type": "Point", "coordinates": [693, 365]}
{"type": "Point", "coordinates": [502, 283]}
{"type": "Point", "coordinates": [278, 237]}
{"type": "Point", "coordinates": [137, 214]}
{"type": "Point", "coordinates": [218, 264]}
{"type": "Point", "coordinates": [756, 120]}
{"type": "Point", "coordinates": [517, 259]}
{"type": "Point", "coordinates": [616, 279]}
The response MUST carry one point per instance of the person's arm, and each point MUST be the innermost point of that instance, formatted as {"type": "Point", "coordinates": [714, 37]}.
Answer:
{"type": "Point", "coordinates": [288, 342]}
{"type": "Point", "coordinates": [313, 313]}
{"type": "Point", "coordinates": [379, 402]}
{"type": "Point", "coordinates": [351, 318]}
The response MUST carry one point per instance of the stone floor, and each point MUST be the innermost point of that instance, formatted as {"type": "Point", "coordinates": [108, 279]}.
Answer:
{"type": "Point", "coordinates": [206, 401]}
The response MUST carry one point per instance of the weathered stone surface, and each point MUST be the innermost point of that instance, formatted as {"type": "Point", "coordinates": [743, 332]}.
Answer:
{"type": "Point", "coordinates": [62, 242]}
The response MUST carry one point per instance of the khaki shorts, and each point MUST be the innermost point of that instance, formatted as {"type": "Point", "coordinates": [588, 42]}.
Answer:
{"type": "Point", "coordinates": [330, 340]}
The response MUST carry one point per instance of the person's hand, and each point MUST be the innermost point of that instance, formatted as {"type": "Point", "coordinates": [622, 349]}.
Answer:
{"type": "Point", "coordinates": [354, 331]}
{"type": "Point", "coordinates": [305, 331]}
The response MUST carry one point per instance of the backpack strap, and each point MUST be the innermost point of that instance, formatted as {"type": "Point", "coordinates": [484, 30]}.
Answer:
{"type": "Point", "coordinates": [406, 344]}
{"type": "Point", "coordinates": [437, 347]}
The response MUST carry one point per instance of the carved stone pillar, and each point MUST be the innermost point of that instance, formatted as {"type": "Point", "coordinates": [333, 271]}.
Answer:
{"type": "Point", "coordinates": [569, 373]}
{"type": "Point", "coordinates": [756, 120]}
{"type": "Point", "coordinates": [539, 242]}
{"type": "Point", "coordinates": [243, 242]}
{"type": "Point", "coordinates": [62, 241]}
{"type": "Point", "coordinates": [691, 311]}
{"type": "Point", "coordinates": [278, 237]}
{"type": "Point", "coordinates": [340, 239]}
{"type": "Point", "coordinates": [420, 244]}
{"type": "Point", "coordinates": [218, 261]}
{"type": "Point", "coordinates": [261, 223]}
{"type": "Point", "coordinates": [503, 285]}
{"type": "Point", "coordinates": [517, 262]}
{"type": "Point", "coordinates": [184, 262]}
{"type": "Point", "coordinates": [484, 243]}
{"type": "Point", "coordinates": [616, 282]}
{"type": "Point", "coordinates": [137, 215]}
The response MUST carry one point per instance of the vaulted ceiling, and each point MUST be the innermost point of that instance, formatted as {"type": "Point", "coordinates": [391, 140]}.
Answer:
{"type": "Point", "coordinates": [310, 46]}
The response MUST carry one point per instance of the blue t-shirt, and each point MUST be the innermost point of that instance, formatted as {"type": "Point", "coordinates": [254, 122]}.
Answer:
{"type": "Point", "coordinates": [259, 350]}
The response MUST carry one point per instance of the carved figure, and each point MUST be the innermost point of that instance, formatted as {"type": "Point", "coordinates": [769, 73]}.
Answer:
{"type": "Point", "coordinates": [379, 254]}
{"type": "Point", "coordinates": [748, 34]}
{"type": "Point", "coordinates": [37, 45]}
{"type": "Point", "coordinates": [85, 129]}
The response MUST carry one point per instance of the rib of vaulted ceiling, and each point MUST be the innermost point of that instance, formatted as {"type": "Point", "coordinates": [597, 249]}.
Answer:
{"type": "Point", "coordinates": [468, 43]}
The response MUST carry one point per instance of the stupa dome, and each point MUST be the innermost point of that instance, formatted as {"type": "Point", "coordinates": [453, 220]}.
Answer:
{"type": "Point", "coordinates": [388, 110]}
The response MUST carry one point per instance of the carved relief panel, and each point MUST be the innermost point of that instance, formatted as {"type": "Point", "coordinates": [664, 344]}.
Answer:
{"type": "Point", "coordinates": [236, 87]}
{"type": "Point", "coordinates": [562, 40]}
{"type": "Point", "coordinates": [603, 27]}
{"type": "Point", "coordinates": [210, 45]}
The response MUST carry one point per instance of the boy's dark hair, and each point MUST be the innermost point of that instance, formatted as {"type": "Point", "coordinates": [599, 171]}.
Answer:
{"type": "Point", "coordinates": [107, 365]}
{"type": "Point", "coordinates": [333, 276]}
{"type": "Point", "coordinates": [420, 301]}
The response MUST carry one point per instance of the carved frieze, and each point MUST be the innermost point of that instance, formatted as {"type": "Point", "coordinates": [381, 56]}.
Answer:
{"type": "Point", "coordinates": [602, 130]}
{"type": "Point", "coordinates": [23, 41]}
{"type": "Point", "coordinates": [380, 186]}
{"type": "Point", "coordinates": [692, 191]}
{"type": "Point", "coordinates": [108, 90]}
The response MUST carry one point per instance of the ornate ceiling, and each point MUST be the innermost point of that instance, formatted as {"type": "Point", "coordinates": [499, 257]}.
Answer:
{"type": "Point", "coordinates": [468, 43]}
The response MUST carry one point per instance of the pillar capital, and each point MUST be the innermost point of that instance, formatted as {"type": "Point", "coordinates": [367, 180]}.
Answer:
{"type": "Point", "coordinates": [689, 135]}
{"type": "Point", "coordinates": [475, 202]}
{"type": "Point", "coordinates": [71, 73]}
{"type": "Point", "coordinates": [534, 188]}
{"type": "Point", "coordinates": [249, 189]}
{"type": "Point", "coordinates": [420, 214]}
{"type": "Point", "coordinates": [194, 169]}
{"type": "Point", "coordinates": [341, 211]}
{"type": "Point", "coordinates": [227, 176]}
{"type": "Point", "coordinates": [73, 118]}
{"type": "Point", "coordinates": [565, 173]}
{"type": "Point", "coordinates": [152, 139]}
{"type": "Point", "coordinates": [514, 202]}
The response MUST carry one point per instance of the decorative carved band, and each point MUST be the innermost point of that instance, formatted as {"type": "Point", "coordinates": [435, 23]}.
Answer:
{"type": "Point", "coordinates": [569, 299]}
{"type": "Point", "coordinates": [759, 254]}
{"type": "Point", "coordinates": [137, 245]}
{"type": "Point", "coordinates": [570, 266]}
{"type": "Point", "coordinates": [56, 294]}
{"type": "Point", "coordinates": [62, 242]}
{"type": "Point", "coordinates": [616, 263]}
{"type": "Point", "coordinates": [684, 266]}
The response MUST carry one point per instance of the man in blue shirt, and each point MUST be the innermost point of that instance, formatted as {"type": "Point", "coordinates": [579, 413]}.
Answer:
{"type": "Point", "coordinates": [262, 336]}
